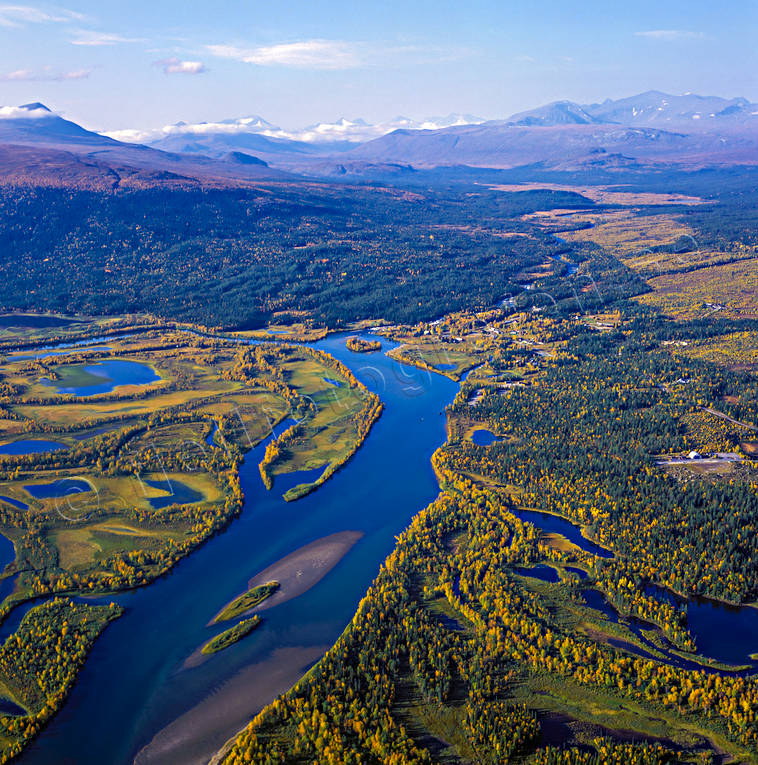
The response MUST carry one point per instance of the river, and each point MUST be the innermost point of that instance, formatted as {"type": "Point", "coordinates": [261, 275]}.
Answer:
{"type": "Point", "coordinates": [141, 695]}
{"type": "Point", "coordinates": [146, 696]}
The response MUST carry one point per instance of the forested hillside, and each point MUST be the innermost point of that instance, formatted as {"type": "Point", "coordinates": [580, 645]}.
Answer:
{"type": "Point", "coordinates": [235, 258]}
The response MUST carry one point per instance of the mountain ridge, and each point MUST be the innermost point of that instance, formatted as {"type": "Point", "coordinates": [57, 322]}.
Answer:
{"type": "Point", "coordinates": [649, 130]}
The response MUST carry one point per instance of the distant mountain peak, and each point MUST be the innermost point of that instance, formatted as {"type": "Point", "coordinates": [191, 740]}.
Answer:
{"type": "Point", "coordinates": [555, 113]}
{"type": "Point", "coordinates": [35, 106]}
{"type": "Point", "coordinates": [688, 111]}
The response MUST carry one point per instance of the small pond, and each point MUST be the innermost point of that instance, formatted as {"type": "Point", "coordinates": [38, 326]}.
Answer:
{"type": "Point", "coordinates": [484, 437]}
{"type": "Point", "coordinates": [46, 353]}
{"type": "Point", "coordinates": [18, 505]}
{"type": "Point", "coordinates": [30, 446]}
{"type": "Point", "coordinates": [541, 572]}
{"type": "Point", "coordinates": [101, 377]}
{"type": "Point", "coordinates": [287, 481]}
{"type": "Point", "coordinates": [178, 494]}
{"type": "Point", "coordinates": [580, 572]}
{"type": "Point", "coordinates": [557, 525]}
{"type": "Point", "coordinates": [60, 488]}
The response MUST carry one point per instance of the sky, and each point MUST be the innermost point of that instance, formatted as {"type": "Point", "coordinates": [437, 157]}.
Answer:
{"type": "Point", "coordinates": [141, 65]}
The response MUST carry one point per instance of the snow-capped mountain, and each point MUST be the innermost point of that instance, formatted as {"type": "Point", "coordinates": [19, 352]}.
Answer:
{"type": "Point", "coordinates": [556, 113]}
{"type": "Point", "coordinates": [39, 146]}
{"type": "Point", "coordinates": [34, 123]}
{"type": "Point", "coordinates": [680, 112]}
{"type": "Point", "coordinates": [256, 133]}
{"type": "Point", "coordinates": [686, 113]}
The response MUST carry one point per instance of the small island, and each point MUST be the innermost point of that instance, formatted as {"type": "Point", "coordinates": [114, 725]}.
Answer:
{"type": "Point", "coordinates": [231, 636]}
{"type": "Point", "coordinates": [245, 602]}
{"type": "Point", "coordinates": [357, 345]}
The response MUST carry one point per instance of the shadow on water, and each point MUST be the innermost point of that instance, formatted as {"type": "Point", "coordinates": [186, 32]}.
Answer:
{"type": "Point", "coordinates": [177, 493]}
{"type": "Point", "coordinates": [7, 707]}
{"type": "Point", "coordinates": [541, 572]}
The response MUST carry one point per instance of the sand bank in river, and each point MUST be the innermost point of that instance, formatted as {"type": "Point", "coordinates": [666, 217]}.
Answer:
{"type": "Point", "coordinates": [302, 569]}
{"type": "Point", "coordinates": [197, 735]}
{"type": "Point", "coordinates": [194, 737]}
{"type": "Point", "coordinates": [296, 574]}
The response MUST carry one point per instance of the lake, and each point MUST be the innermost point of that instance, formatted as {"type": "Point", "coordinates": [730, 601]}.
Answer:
{"type": "Point", "coordinates": [30, 446]}
{"type": "Point", "coordinates": [722, 631]}
{"type": "Point", "coordinates": [101, 377]}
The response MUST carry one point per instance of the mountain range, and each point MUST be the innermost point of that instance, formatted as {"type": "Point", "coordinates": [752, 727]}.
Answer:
{"type": "Point", "coordinates": [38, 146]}
{"type": "Point", "coordinates": [685, 113]}
{"type": "Point", "coordinates": [650, 130]}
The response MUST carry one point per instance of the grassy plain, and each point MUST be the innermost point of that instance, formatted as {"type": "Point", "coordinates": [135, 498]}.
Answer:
{"type": "Point", "coordinates": [624, 232]}
{"type": "Point", "coordinates": [731, 290]}
{"type": "Point", "coordinates": [332, 429]}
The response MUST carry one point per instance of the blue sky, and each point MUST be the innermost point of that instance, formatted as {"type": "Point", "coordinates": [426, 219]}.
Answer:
{"type": "Point", "coordinates": [138, 64]}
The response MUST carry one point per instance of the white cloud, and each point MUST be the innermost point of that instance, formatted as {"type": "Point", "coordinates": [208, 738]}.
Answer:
{"type": "Point", "coordinates": [14, 16]}
{"type": "Point", "coordinates": [306, 54]}
{"type": "Point", "coordinates": [175, 66]}
{"type": "Point", "coordinates": [46, 75]}
{"type": "Point", "coordinates": [132, 136]}
{"type": "Point", "coordinates": [91, 38]}
{"type": "Point", "coordinates": [669, 35]}
{"type": "Point", "coordinates": [351, 131]}
{"type": "Point", "coordinates": [22, 113]}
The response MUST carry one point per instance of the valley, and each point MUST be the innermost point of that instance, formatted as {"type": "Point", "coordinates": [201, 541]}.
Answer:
{"type": "Point", "coordinates": [458, 468]}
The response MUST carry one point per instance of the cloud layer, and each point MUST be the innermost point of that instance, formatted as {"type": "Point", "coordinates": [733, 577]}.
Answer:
{"type": "Point", "coordinates": [351, 131]}
{"type": "Point", "coordinates": [90, 38]}
{"type": "Point", "coordinates": [23, 113]}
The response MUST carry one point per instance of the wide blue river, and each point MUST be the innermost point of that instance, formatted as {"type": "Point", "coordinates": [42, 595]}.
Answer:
{"type": "Point", "coordinates": [142, 695]}
{"type": "Point", "coordinates": [145, 694]}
